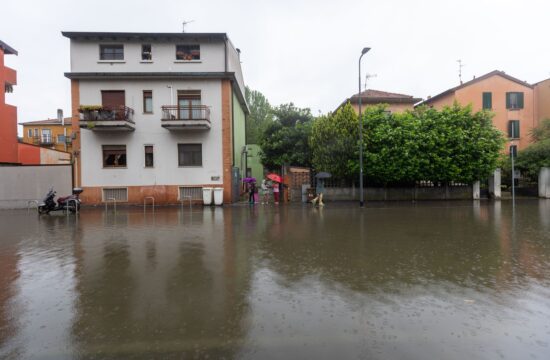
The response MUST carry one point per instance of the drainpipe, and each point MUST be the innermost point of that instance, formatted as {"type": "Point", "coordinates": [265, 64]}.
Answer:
{"type": "Point", "coordinates": [225, 53]}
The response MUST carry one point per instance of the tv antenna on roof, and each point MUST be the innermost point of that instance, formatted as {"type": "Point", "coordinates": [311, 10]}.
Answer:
{"type": "Point", "coordinates": [460, 66]}
{"type": "Point", "coordinates": [367, 77]}
{"type": "Point", "coordinates": [185, 23]}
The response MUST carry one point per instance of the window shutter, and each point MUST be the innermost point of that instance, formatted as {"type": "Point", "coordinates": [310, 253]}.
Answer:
{"type": "Point", "coordinates": [510, 128]}
{"type": "Point", "coordinates": [508, 100]}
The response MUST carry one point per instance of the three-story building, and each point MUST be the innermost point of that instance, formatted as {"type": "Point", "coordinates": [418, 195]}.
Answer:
{"type": "Point", "coordinates": [156, 114]}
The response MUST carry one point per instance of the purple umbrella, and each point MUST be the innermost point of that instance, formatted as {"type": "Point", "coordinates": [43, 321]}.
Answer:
{"type": "Point", "coordinates": [249, 180]}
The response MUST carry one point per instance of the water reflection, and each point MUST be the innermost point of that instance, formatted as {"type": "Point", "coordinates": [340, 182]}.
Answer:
{"type": "Point", "coordinates": [441, 280]}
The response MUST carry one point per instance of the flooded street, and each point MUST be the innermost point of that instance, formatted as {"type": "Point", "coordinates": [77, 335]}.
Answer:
{"type": "Point", "coordinates": [456, 280]}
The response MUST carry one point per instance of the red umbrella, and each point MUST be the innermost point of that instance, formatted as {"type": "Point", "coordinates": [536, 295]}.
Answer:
{"type": "Point", "coordinates": [275, 177]}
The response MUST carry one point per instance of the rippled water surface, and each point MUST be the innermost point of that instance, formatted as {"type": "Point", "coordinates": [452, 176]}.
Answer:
{"type": "Point", "coordinates": [392, 281]}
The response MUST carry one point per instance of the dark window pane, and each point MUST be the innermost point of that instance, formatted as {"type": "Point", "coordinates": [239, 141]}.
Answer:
{"type": "Point", "coordinates": [146, 53]}
{"type": "Point", "coordinates": [149, 160]}
{"type": "Point", "coordinates": [188, 52]}
{"type": "Point", "coordinates": [190, 154]}
{"type": "Point", "coordinates": [111, 52]}
{"type": "Point", "coordinates": [114, 155]}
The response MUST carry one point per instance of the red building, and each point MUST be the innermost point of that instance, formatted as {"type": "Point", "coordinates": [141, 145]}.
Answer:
{"type": "Point", "coordinates": [8, 113]}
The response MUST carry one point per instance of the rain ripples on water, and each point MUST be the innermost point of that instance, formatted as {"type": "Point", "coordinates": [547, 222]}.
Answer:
{"type": "Point", "coordinates": [417, 281]}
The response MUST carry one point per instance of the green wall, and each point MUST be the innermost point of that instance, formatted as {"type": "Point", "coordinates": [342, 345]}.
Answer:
{"type": "Point", "coordinates": [239, 134]}
{"type": "Point", "coordinates": [254, 162]}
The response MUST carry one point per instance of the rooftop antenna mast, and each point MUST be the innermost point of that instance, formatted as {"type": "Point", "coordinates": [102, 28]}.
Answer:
{"type": "Point", "coordinates": [185, 23]}
{"type": "Point", "coordinates": [460, 66]}
{"type": "Point", "coordinates": [367, 77]}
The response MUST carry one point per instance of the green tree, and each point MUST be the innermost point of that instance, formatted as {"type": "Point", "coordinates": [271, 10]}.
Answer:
{"type": "Point", "coordinates": [541, 132]}
{"type": "Point", "coordinates": [260, 116]}
{"type": "Point", "coordinates": [286, 145]}
{"type": "Point", "coordinates": [334, 143]}
{"type": "Point", "coordinates": [289, 114]}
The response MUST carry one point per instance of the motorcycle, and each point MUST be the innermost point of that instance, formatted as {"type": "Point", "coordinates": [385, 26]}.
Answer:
{"type": "Point", "coordinates": [68, 203]}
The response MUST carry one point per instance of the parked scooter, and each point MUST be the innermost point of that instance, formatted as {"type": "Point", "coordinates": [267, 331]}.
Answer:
{"type": "Point", "coordinates": [68, 203]}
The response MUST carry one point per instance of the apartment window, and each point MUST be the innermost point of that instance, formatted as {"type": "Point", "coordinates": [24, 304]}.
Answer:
{"type": "Point", "coordinates": [36, 134]}
{"type": "Point", "coordinates": [60, 139]}
{"type": "Point", "coordinates": [513, 129]}
{"type": "Point", "coordinates": [146, 53]}
{"type": "Point", "coordinates": [149, 160]}
{"type": "Point", "coordinates": [46, 136]}
{"type": "Point", "coordinates": [189, 104]}
{"type": "Point", "coordinates": [114, 156]}
{"type": "Point", "coordinates": [111, 52]}
{"type": "Point", "coordinates": [188, 52]}
{"type": "Point", "coordinates": [190, 154]}
{"type": "Point", "coordinates": [514, 100]}
{"type": "Point", "coordinates": [29, 133]}
{"type": "Point", "coordinates": [487, 101]}
{"type": "Point", "coordinates": [147, 101]}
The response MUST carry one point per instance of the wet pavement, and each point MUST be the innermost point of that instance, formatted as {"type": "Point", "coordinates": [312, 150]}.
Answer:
{"type": "Point", "coordinates": [447, 280]}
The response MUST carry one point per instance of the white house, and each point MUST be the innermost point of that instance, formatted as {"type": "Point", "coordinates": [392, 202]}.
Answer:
{"type": "Point", "coordinates": [156, 114]}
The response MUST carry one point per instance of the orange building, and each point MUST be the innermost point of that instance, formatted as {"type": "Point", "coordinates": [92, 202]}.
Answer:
{"type": "Point", "coordinates": [49, 133]}
{"type": "Point", "coordinates": [542, 100]}
{"type": "Point", "coordinates": [394, 102]}
{"type": "Point", "coordinates": [8, 113]}
{"type": "Point", "coordinates": [510, 99]}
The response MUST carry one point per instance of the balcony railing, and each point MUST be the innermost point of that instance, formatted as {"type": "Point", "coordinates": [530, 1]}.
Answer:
{"type": "Point", "coordinates": [188, 112]}
{"type": "Point", "coordinates": [44, 140]}
{"type": "Point", "coordinates": [114, 113]}
{"type": "Point", "coordinates": [107, 118]}
{"type": "Point", "coordinates": [189, 117]}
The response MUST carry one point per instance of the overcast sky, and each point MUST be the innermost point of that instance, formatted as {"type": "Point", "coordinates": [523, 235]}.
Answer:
{"type": "Point", "coordinates": [300, 51]}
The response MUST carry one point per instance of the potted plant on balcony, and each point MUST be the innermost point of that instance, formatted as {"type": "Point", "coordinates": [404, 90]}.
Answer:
{"type": "Point", "coordinates": [89, 112]}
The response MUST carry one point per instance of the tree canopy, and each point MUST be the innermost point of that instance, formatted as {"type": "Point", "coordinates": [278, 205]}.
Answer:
{"type": "Point", "coordinates": [261, 115]}
{"type": "Point", "coordinates": [452, 144]}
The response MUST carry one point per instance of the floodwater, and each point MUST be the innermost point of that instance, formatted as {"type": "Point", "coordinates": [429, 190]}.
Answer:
{"type": "Point", "coordinates": [456, 280]}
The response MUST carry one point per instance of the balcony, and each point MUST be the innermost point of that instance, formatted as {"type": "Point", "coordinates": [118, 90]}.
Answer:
{"type": "Point", "coordinates": [44, 140]}
{"type": "Point", "coordinates": [191, 117]}
{"type": "Point", "coordinates": [107, 118]}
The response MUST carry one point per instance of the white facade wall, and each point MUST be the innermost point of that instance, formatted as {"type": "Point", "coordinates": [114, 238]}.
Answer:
{"type": "Point", "coordinates": [148, 131]}
{"type": "Point", "coordinates": [85, 58]}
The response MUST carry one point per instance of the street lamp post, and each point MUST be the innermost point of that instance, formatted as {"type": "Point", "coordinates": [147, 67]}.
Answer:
{"type": "Point", "coordinates": [361, 198]}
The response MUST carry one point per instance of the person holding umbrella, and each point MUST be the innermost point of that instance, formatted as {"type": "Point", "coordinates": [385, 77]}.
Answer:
{"type": "Point", "coordinates": [320, 188]}
{"type": "Point", "coordinates": [276, 179]}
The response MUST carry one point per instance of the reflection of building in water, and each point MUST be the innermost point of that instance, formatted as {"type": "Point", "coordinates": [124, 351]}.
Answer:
{"type": "Point", "coordinates": [172, 282]}
{"type": "Point", "coordinates": [8, 277]}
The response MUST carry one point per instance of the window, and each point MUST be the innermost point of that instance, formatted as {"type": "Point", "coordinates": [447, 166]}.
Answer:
{"type": "Point", "coordinates": [189, 105]}
{"type": "Point", "coordinates": [47, 136]}
{"type": "Point", "coordinates": [36, 133]}
{"type": "Point", "coordinates": [29, 133]}
{"type": "Point", "coordinates": [487, 101]}
{"type": "Point", "coordinates": [188, 52]}
{"type": "Point", "coordinates": [514, 151]}
{"type": "Point", "coordinates": [60, 139]}
{"type": "Point", "coordinates": [119, 194]}
{"type": "Point", "coordinates": [114, 156]}
{"type": "Point", "coordinates": [149, 160]}
{"type": "Point", "coordinates": [190, 154]}
{"type": "Point", "coordinates": [514, 100]}
{"type": "Point", "coordinates": [111, 52]}
{"type": "Point", "coordinates": [194, 193]}
{"type": "Point", "coordinates": [146, 53]}
{"type": "Point", "coordinates": [147, 101]}
{"type": "Point", "coordinates": [513, 129]}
